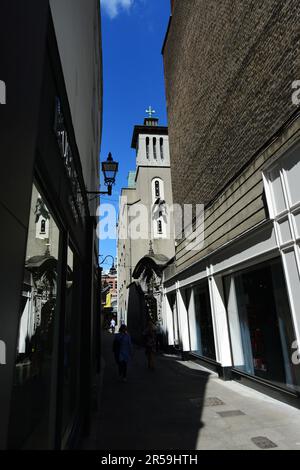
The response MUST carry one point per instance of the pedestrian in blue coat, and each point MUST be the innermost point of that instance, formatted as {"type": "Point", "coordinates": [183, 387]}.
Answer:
{"type": "Point", "coordinates": [122, 348]}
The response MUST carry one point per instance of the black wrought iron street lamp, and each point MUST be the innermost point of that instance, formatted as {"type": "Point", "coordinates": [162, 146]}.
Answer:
{"type": "Point", "coordinates": [110, 170]}
{"type": "Point", "coordinates": [112, 270]}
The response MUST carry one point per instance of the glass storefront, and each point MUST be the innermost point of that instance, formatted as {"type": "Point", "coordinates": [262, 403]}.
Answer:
{"type": "Point", "coordinates": [71, 343]}
{"type": "Point", "coordinates": [30, 405]}
{"type": "Point", "coordinates": [260, 322]}
{"type": "Point", "coordinates": [197, 301]}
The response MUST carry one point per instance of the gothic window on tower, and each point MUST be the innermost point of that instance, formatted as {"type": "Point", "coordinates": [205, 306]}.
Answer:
{"type": "Point", "coordinates": [147, 147]}
{"type": "Point", "coordinates": [157, 189]}
{"type": "Point", "coordinates": [43, 227]}
{"type": "Point", "coordinates": [159, 227]}
{"type": "Point", "coordinates": [161, 145]}
{"type": "Point", "coordinates": [154, 148]}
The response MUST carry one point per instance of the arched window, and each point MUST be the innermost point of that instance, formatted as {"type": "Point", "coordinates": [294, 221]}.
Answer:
{"type": "Point", "coordinates": [154, 148]}
{"type": "Point", "coordinates": [161, 145]}
{"type": "Point", "coordinates": [43, 226]}
{"type": "Point", "coordinates": [157, 189]}
{"type": "Point", "coordinates": [147, 147]}
{"type": "Point", "coordinates": [159, 226]}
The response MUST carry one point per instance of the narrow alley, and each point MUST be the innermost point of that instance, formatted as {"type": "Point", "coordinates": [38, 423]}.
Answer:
{"type": "Point", "coordinates": [181, 405]}
{"type": "Point", "coordinates": [150, 196]}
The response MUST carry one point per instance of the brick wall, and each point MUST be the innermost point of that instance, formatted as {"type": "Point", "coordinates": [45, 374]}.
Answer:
{"type": "Point", "coordinates": [229, 66]}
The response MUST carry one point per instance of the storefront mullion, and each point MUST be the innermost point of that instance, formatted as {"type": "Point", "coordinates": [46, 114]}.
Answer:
{"type": "Point", "coordinates": [182, 318]}
{"type": "Point", "coordinates": [174, 318]}
{"type": "Point", "coordinates": [190, 305]}
{"type": "Point", "coordinates": [236, 343]}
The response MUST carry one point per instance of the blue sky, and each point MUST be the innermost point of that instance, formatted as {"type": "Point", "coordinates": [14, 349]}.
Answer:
{"type": "Point", "coordinates": [133, 32]}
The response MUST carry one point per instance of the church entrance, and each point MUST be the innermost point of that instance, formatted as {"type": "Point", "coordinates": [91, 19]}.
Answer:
{"type": "Point", "coordinates": [151, 308]}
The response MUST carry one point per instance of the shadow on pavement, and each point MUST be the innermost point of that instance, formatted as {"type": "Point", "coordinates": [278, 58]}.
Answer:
{"type": "Point", "coordinates": [158, 409]}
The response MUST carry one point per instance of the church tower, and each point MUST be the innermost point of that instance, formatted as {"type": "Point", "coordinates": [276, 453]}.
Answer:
{"type": "Point", "coordinates": [153, 174]}
{"type": "Point", "coordinates": [151, 142]}
{"type": "Point", "coordinates": [145, 246]}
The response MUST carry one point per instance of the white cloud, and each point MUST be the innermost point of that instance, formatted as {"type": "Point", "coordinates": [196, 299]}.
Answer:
{"type": "Point", "coordinates": [113, 7]}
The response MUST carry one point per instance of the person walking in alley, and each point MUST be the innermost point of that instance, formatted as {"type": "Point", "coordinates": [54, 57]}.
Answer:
{"type": "Point", "coordinates": [150, 343]}
{"type": "Point", "coordinates": [112, 325]}
{"type": "Point", "coordinates": [122, 348]}
{"type": "Point", "coordinates": [159, 337]}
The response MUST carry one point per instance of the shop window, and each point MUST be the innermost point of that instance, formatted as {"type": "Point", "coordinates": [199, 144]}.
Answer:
{"type": "Point", "coordinates": [261, 327]}
{"type": "Point", "coordinates": [30, 402]}
{"type": "Point", "coordinates": [71, 343]}
{"type": "Point", "coordinates": [197, 301]}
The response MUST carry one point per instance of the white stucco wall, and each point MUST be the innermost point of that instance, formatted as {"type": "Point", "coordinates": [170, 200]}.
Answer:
{"type": "Point", "coordinates": [142, 158]}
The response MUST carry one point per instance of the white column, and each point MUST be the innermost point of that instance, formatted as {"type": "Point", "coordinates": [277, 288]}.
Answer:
{"type": "Point", "coordinates": [192, 322]}
{"type": "Point", "coordinates": [221, 331]}
{"type": "Point", "coordinates": [291, 271]}
{"type": "Point", "coordinates": [151, 154]}
{"type": "Point", "coordinates": [235, 328]}
{"type": "Point", "coordinates": [183, 320]}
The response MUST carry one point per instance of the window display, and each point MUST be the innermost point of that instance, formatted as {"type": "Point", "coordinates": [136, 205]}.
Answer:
{"type": "Point", "coordinates": [260, 323]}
{"type": "Point", "coordinates": [200, 320]}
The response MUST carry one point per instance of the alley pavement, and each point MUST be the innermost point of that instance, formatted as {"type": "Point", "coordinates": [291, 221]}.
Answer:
{"type": "Point", "coordinates": [183, 406]}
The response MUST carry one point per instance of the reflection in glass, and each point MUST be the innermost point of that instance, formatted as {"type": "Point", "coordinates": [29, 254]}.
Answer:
{"type": "Point", "coordinates": [31, 393]}
{"type": "Point", "coordinates": [260, 322]}
{"type": "Point", "coordinates": [71, 345]}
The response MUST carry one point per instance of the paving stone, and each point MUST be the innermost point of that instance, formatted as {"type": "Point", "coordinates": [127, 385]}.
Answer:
{"type": "Point", "coordinates": [263, 442]}
{"type": "Point", "coordinates": [230, 414]}
{"type": "Point", "coordinates": [213, 401]}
